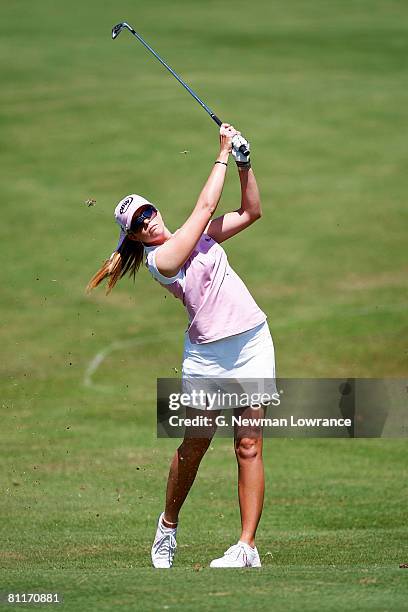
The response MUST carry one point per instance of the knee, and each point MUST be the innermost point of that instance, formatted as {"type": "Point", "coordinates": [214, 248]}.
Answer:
{"type": "Point", "coordinates": [248, 449]}
{"type": "Point", "coordinates": [193, 448]}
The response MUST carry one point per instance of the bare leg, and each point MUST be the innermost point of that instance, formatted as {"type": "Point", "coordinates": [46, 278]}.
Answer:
{"type": "Point", "coordinates": [251, 479]}
{"type": "Point", "coordinates": [183, 468]}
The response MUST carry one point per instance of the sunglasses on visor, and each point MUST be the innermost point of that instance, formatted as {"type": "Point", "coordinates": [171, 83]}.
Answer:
{"type": "Point", "coordinates": [137, 222]}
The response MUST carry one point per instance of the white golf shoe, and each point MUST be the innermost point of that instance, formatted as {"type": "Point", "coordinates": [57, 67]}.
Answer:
{"type": "Point", "coordinates": [164, 545]}
{"type": "Point", "coordinates": [239, 555]}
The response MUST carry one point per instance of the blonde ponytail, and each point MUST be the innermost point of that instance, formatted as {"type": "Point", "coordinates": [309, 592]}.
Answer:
{"type": "Point", "coordinates": [127, 258]}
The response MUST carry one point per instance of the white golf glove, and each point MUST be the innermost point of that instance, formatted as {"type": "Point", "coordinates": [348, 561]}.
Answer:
{"type": "Point", "coordinates": [240, 158]}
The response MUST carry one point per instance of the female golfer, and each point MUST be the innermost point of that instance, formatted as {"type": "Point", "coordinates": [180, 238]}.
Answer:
{"type": "Point", "coordinates": [227, 337]}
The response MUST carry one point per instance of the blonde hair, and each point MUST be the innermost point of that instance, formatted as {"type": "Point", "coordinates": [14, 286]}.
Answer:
{"type": "Point", "coordinates": [127, 258]}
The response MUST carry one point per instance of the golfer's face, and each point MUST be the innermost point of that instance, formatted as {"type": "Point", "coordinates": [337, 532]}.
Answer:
{"type": "Point", "coordinates": [152, 229]}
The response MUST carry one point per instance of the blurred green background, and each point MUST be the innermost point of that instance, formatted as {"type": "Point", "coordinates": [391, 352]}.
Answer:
{"type": "Point", "coordinates": [320, 89]}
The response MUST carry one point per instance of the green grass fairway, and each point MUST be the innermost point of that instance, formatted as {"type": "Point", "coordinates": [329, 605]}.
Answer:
{"type": "Point", "coordinates": [321, 90]}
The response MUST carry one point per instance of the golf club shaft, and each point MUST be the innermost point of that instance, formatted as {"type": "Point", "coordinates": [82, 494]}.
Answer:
{"type": "Point", "coordinates": [180, 80]}
{"type": "Point", "coordinates": [116, 31]}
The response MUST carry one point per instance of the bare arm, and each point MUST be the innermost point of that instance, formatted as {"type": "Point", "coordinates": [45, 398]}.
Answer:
{"type": "Point", "coordinates": [232, 223]}
{"type": "Point", "coordinates": [175, 252]}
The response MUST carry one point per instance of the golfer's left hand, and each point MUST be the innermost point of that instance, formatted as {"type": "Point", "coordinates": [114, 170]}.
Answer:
{"type": "Point", "coordinates": [237, 141]}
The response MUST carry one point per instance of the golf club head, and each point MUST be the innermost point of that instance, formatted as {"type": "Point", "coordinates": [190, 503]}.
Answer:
{"type": "Point", "coordinates": [116, 30]}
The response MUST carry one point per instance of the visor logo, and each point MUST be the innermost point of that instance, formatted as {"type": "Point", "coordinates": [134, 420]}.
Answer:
{"type": "Point", "coordinates": [125, 205]}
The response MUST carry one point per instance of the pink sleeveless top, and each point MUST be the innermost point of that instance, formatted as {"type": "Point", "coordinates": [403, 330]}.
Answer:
{"type": "Point", "coordinates": [217, 301]}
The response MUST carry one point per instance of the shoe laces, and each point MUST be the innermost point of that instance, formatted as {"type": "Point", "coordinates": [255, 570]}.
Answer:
{"type": "Point", "coordinates": [237, 550]}
{"type": "Point", "coordinates": [165, 546]}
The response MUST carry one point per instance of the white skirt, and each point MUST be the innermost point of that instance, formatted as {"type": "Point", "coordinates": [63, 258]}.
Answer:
{"type": "Point", "coordinates": [247, 358]}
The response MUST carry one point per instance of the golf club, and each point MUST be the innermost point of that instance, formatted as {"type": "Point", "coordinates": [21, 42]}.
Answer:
{"type": "Point", "coordinates": [115, 33]}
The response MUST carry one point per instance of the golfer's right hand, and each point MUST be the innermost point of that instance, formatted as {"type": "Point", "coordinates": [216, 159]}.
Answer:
{"type": "Point", "coordinates": [227, 133]}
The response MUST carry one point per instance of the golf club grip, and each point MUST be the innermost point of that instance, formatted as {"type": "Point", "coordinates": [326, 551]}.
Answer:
{"type": "Point", "coordinates": [242, 148]}
{"type": "Point", "coordinates": [216, 119]}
